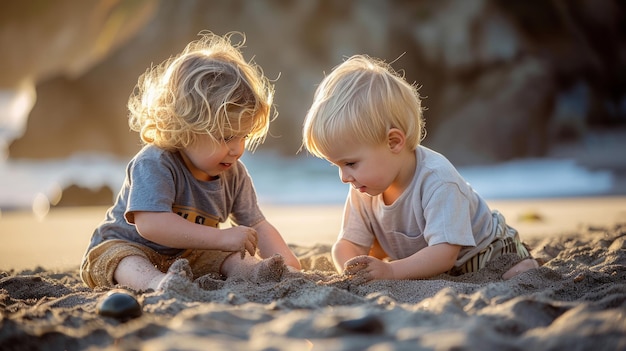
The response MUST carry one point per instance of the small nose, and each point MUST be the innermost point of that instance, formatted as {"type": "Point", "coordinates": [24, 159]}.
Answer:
{"type": "Point", "coordinates": [345, 176]}
{"type": "Point", "coordinates": [237, 148]}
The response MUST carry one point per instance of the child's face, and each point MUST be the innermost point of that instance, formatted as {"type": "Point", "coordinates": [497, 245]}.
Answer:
{"type": "Point", "coordinates": [206, 161]}
{"type": "Point", "coordinates": [369, 169]}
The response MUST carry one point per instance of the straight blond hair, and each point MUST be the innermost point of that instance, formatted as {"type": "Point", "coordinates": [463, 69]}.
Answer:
{"type": "Point", "coordinates": [361, 100]}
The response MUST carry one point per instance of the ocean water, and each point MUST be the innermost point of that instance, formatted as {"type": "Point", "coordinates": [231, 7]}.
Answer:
{"type": "Point", "coordinates": [297, 180]}
{"type": "Point", "coordinates": [311, 180]}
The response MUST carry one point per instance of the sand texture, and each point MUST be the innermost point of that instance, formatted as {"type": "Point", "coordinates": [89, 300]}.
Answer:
{"type": "Point", "coordinates": [576, 301]}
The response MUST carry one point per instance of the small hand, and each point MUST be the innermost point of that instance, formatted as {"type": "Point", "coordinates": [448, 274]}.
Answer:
{"type": "Point", "coordinates": [363, 269]}
{"type": "Point", "coordinates": [242, 239]}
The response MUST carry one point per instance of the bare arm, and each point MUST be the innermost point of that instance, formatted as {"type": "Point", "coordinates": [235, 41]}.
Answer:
{"type": "Point", "coordinates": [170, 229]}
{"type": "Point", "coordinates": [425, 263]}
{"type": "Point", "coordinates": [344, 250]}
{"type": "Point", "coordinates": [271, 242]}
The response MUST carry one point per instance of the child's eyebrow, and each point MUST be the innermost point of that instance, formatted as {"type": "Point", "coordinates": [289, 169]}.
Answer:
{"type": "Point", "coordinates": [339, 162]}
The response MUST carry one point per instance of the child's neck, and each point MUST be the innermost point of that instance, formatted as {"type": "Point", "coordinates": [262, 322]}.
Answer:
{"type": "Point", "coordinates": [197, 173]}
{"type": "Point", "coordinates": [406, 170]}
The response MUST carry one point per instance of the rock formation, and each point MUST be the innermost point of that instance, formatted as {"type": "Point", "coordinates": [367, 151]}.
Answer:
{"type": "Point", "coordinates": [500, 79]}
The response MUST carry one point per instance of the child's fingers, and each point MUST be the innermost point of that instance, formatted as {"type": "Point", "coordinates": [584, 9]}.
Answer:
{"type": "Point", "coordinates": [353, 268]}
{"type": "Point", "coordinates": [253, 239]}
{"type": "Point", "coordinates": [251, 248]}
{"type": "Point", "coordinates": [356, 262]}
{"type": "Point", "coordinates": [250, 243]}
{"type": "Point", "coordinates": [356, 265]}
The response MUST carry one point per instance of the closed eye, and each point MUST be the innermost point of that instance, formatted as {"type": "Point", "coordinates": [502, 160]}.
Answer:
{"type": "Point", "coordinates": [343, 164]}
{"type": "Point", "coordinates": [233, 137]}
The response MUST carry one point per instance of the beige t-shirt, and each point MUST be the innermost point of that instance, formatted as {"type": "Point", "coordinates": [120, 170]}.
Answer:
{"type": "Point", "coordinates": [439, 206]}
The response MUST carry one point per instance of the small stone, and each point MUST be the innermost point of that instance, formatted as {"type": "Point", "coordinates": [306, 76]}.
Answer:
{"type": "Point", "coordinates": [367, 325]}
{"type": "Point", "coordinates": [119, 305]}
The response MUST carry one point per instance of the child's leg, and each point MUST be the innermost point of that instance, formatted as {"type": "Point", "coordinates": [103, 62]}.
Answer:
{"type": "Point", "coordinates": [520, 267]}
{"type": "Point", "coordinates": [139, 273]}
{"type": "Point", "coordinates": [254, 269]}
{"type": "Point", "coordinates": [514, 244]}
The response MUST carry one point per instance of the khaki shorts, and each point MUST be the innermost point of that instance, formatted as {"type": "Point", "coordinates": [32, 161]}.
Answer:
{"type": "Point", "coordinates": [99, 264]}
{"type": "Point", "coordinates": [507, 241]}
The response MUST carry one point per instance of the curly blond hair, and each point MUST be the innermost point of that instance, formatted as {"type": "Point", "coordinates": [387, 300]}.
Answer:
{"type": "Point", "coordinates": [361, 100]}
{"type": "Point", "coordinates": [208, 89]}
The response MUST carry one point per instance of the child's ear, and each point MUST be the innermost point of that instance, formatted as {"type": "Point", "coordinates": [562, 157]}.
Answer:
{"type": "Point", "coordinates": [396, 139]}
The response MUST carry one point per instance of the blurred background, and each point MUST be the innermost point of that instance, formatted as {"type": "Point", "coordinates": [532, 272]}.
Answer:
{"type": "Point", "coordinates": [527, 98]}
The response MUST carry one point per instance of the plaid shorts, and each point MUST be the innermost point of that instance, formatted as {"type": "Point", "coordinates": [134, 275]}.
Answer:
{"type": "Point", "coordinates": [507, 241]}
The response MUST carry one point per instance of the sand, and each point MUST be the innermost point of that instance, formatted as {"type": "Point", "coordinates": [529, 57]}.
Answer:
{"type": "Point", "coordinates": [576, 301]}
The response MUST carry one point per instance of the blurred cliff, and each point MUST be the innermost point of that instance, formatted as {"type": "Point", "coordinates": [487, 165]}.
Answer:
{"type": "Point", "coordinates": [500, 79]}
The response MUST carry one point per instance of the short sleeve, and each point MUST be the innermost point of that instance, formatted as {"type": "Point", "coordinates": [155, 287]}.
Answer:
{"type": "Point", "coordinates": [245, 208]}
{"type": "Point", "coordinates": [152, 187]}
{"type": "Point", "coordinates": [447, 214]}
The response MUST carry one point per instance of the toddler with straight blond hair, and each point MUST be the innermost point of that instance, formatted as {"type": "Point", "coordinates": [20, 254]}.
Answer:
{"type": "Point", "coordinates": [196, 113]}
{"type": "Point", "coordinates": [409, 214]}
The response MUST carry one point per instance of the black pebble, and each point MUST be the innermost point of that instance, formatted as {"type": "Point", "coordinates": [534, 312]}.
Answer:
{"type": "Point", "coordinates": [119, 305]}
{"type": "Point", "coordinates": [366, 325]}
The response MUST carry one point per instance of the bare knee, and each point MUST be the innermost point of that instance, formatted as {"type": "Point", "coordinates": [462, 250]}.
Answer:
{"type": "Point", "coordinates": [520, 267]}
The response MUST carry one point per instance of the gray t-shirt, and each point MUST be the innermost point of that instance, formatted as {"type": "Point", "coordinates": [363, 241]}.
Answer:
{"type": "Point", "coordinates": [159, 181]}
{"type": "Point", "coordinates": [439, 206]}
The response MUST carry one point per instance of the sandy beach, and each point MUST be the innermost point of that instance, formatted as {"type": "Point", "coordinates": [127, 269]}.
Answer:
{"type": "Point", "coordinates": [576, 301]}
